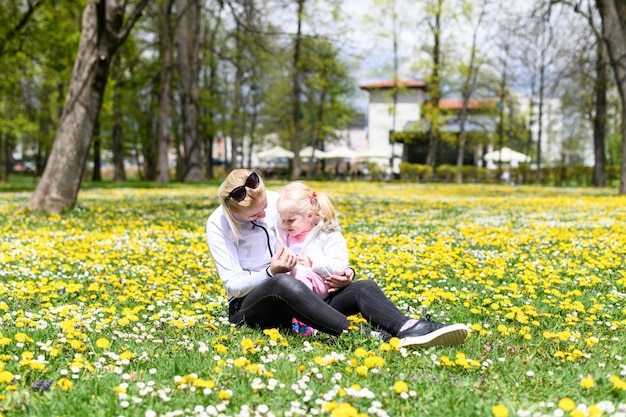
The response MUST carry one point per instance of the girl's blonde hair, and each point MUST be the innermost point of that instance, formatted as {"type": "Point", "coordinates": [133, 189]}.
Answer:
{"type": "Point", "coordinates": [298, 198]}
{"type": "Point", "coordinates": [237, 178]}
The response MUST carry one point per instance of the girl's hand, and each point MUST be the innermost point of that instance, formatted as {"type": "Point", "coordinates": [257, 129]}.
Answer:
{"type": "Point", "coordinates": [337, 282]}
{"type": "Point", "coordinates": [304, 260]}
{"type": "Point", "coordinates": [284, 261]}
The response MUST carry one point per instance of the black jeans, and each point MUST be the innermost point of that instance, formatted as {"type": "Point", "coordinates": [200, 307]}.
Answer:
{"type": "Point", "coordinates": [276, 301]}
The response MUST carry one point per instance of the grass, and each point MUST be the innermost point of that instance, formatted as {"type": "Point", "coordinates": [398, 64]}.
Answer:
{"type": "Point", "coordinates": [114, 308]}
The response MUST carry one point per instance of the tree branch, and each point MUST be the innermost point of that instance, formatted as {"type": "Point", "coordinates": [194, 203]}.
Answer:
{"type": "Point", "coordinates": [13, 32]}
{"type": "Point", "coordinates": [120, 37]}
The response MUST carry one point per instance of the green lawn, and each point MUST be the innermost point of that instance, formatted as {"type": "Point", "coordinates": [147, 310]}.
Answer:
{"type": "Point", "coordinates": [114, 308]}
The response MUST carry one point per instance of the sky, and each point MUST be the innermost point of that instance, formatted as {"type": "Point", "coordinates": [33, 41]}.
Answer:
{"type": "Point", "coordinates": [365, 38]}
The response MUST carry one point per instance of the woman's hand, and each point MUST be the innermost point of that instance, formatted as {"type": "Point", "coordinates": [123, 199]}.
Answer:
{"type": "Point", "coordinates": [337, 282]}
{"type": "Point", "coordinates": [284, 261]}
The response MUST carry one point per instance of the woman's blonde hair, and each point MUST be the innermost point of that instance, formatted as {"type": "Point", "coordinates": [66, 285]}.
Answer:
{"type": "Point", "coordinates": [237, 178]}
{"type": "Point", "coordinates": [298, 198]}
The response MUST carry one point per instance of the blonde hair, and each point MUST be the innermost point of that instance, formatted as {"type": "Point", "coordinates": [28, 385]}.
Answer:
{"type": "Point", "coordinates": [237, 178]}
{"type": "Point", "coordinates": [298, 198]}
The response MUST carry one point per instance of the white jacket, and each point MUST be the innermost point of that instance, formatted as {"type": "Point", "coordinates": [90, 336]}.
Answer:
{"type": "Point", "coordinates": [241, 266]}
{"type": "Point", "coordinates": [325, 246]}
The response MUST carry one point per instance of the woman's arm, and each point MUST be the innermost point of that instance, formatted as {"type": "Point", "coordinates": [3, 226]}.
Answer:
{"type": "Point", "coordinates": [237, 281]}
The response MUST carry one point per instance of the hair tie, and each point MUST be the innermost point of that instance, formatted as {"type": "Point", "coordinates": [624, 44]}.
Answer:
{"type": "Point", "coordinates": [312, 197]}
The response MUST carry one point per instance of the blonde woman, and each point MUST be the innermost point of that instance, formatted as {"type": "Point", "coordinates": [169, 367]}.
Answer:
{"type": "Point", "coordinates": [241, 236]}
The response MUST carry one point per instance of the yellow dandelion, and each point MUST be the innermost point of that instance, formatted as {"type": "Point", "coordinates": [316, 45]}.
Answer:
{"type": "Point", "coordinates": [220, 348]}
{"type": "Point", "coordinates": [103, 343]}
{"type": "Point", "coordinates": [224, 394]}
{"type": "Point", "coordinates": [241, 362]}
{"type": "Point", "coordinates": [361, 370]}
{"type": "Point", "coordinates": [76, 344]}
{"type": "Point", "coordinates": [595, 411]}
{"type": "Point", "coordinates": [500, 410]}
{"type": "Point", "coordinates": [567, 404]}
{"type": "Point", "coordinates": [394, 342]}
{"type": "Point", "coordinates": [374, 362]}
{"type": "Point", "coordinates": [6, 377]}
{"type": "Point", "coordinates": [248, 345]}
{"type": "Point", "coordinates": [203, 383]}
{"type": "Point", "coordinates": [65, 384]}
{"type": "Point", "coordinates": [400, 387]}
{"type": "Point", "coordinates": [360, 353]}
{"type": "Point", "coordinates": [22, 337]}
{"type": "Point", "coordinates": [127, 355]}
{"type": "Point", "coordinates": [329, 406]}
{"type": "Point", "coordinates": [344, 410]}
{"type": "Point", "coordinates": [587, 382]}
{"type": "Point", "coordinates": [618, 383]}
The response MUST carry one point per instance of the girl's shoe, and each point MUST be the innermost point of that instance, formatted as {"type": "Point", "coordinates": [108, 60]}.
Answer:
{"type": "Point", "coordinates": [301, 328]}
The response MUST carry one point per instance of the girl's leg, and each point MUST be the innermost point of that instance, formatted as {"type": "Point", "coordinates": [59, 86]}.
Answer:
{"type": "Point", "coordinates": [367, 298]}
{"type": "Point", "coordinates": [276, 301]}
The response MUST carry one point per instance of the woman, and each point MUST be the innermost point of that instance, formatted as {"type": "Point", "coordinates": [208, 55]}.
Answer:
{"type": "Point", "coordinates": [241, 236]}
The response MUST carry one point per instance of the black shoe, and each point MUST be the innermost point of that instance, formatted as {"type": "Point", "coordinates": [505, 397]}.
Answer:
{"type": "Point", "coordinates": [426, 333]}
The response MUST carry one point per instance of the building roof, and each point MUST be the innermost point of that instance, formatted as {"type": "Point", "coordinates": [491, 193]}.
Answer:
{"type": "Point", "coordinates": [457, 103]}
{"type": "Point", "coordinates": [451, 124]}
{"type": "Point", "coordinates": [392, 84]}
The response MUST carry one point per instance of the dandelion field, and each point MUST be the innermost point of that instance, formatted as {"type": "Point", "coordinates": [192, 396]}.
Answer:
{"type": "Point", "coordinates": [114, 308]}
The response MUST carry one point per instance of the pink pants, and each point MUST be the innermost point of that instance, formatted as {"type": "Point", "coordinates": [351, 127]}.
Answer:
{"type": "Point", "coordinates": [311, 279]}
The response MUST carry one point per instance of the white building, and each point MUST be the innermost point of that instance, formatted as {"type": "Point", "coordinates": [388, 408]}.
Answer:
{"type": "Point", "coordinates": [385, 116]}
{"type": "Point", "coordinates": [412, 95]}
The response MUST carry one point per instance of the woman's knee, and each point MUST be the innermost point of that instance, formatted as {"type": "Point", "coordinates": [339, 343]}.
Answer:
{"type": "Point", "coordinates": [283, 284]}
{"type": "Point", "coordinates": [365, 285]}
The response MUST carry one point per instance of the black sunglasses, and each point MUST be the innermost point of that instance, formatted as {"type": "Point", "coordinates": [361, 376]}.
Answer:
{"type": "Point", "coordinates": [239, 193]}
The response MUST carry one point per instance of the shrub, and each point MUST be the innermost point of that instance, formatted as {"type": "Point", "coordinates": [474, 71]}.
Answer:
{"type": "Point", "coordinates": [414, 172]}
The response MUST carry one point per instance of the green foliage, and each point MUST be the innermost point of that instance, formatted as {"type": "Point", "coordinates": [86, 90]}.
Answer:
{"type": "Point", "coordinates": [36, 66]}
{"type": "Point", "coordinates": [446, 172]}
{"type": "Point", "coordinates": [415, 172]}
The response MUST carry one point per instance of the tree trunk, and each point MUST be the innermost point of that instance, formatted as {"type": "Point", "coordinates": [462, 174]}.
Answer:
{"type": "Point", "coordinates": [188, 64]}
{"type": "Point", "coordinates": [435, 92]}
{"type": "Point", "coordinates": [211, 82]}
{"type": "Point", "coordinates": [96, 175]}
{"type": "Point", "coordinates": [60, 183]}
{"type": "Point", "coordinates": [614, 32]}
{"type": "Point", "coordinates": [236, 127]}
{"type": "Point", "coordinates": [4, 165]}
{"type": "Point", "coordinates": [297, 122]}
{"type": "Point", "coordinates": [164, 94]}
{"type": "Point", "coordinates": [599, 119]}
{"type": "Point", "coordinates": [119, 173]}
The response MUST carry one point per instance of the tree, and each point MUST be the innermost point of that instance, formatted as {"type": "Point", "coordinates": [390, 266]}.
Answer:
{"type": "Point", "coordinates": [165, 50]}
{"type": "Point", "coordinates": [103, 31]}
{"type": "Point", "coordinates": [34, 67]}
{"type": "Point", "coordinates": [591, 63]}
{"type": "Point", "coordinates": [470, 72]}
{"type": "Point", "coordinates": [434, 83]}
{"type": "Point", "coordinates": [326, 84]}
{"type": "Point", "coordinates": [188, 32]}
{"type": "Point", "coordinates": [613, 14]}
{"type": "Point", "coordinates": [296, 92]}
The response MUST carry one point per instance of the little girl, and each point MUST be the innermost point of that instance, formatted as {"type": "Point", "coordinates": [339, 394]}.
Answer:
{"type": "Point", "coordinates": [308, 226]}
